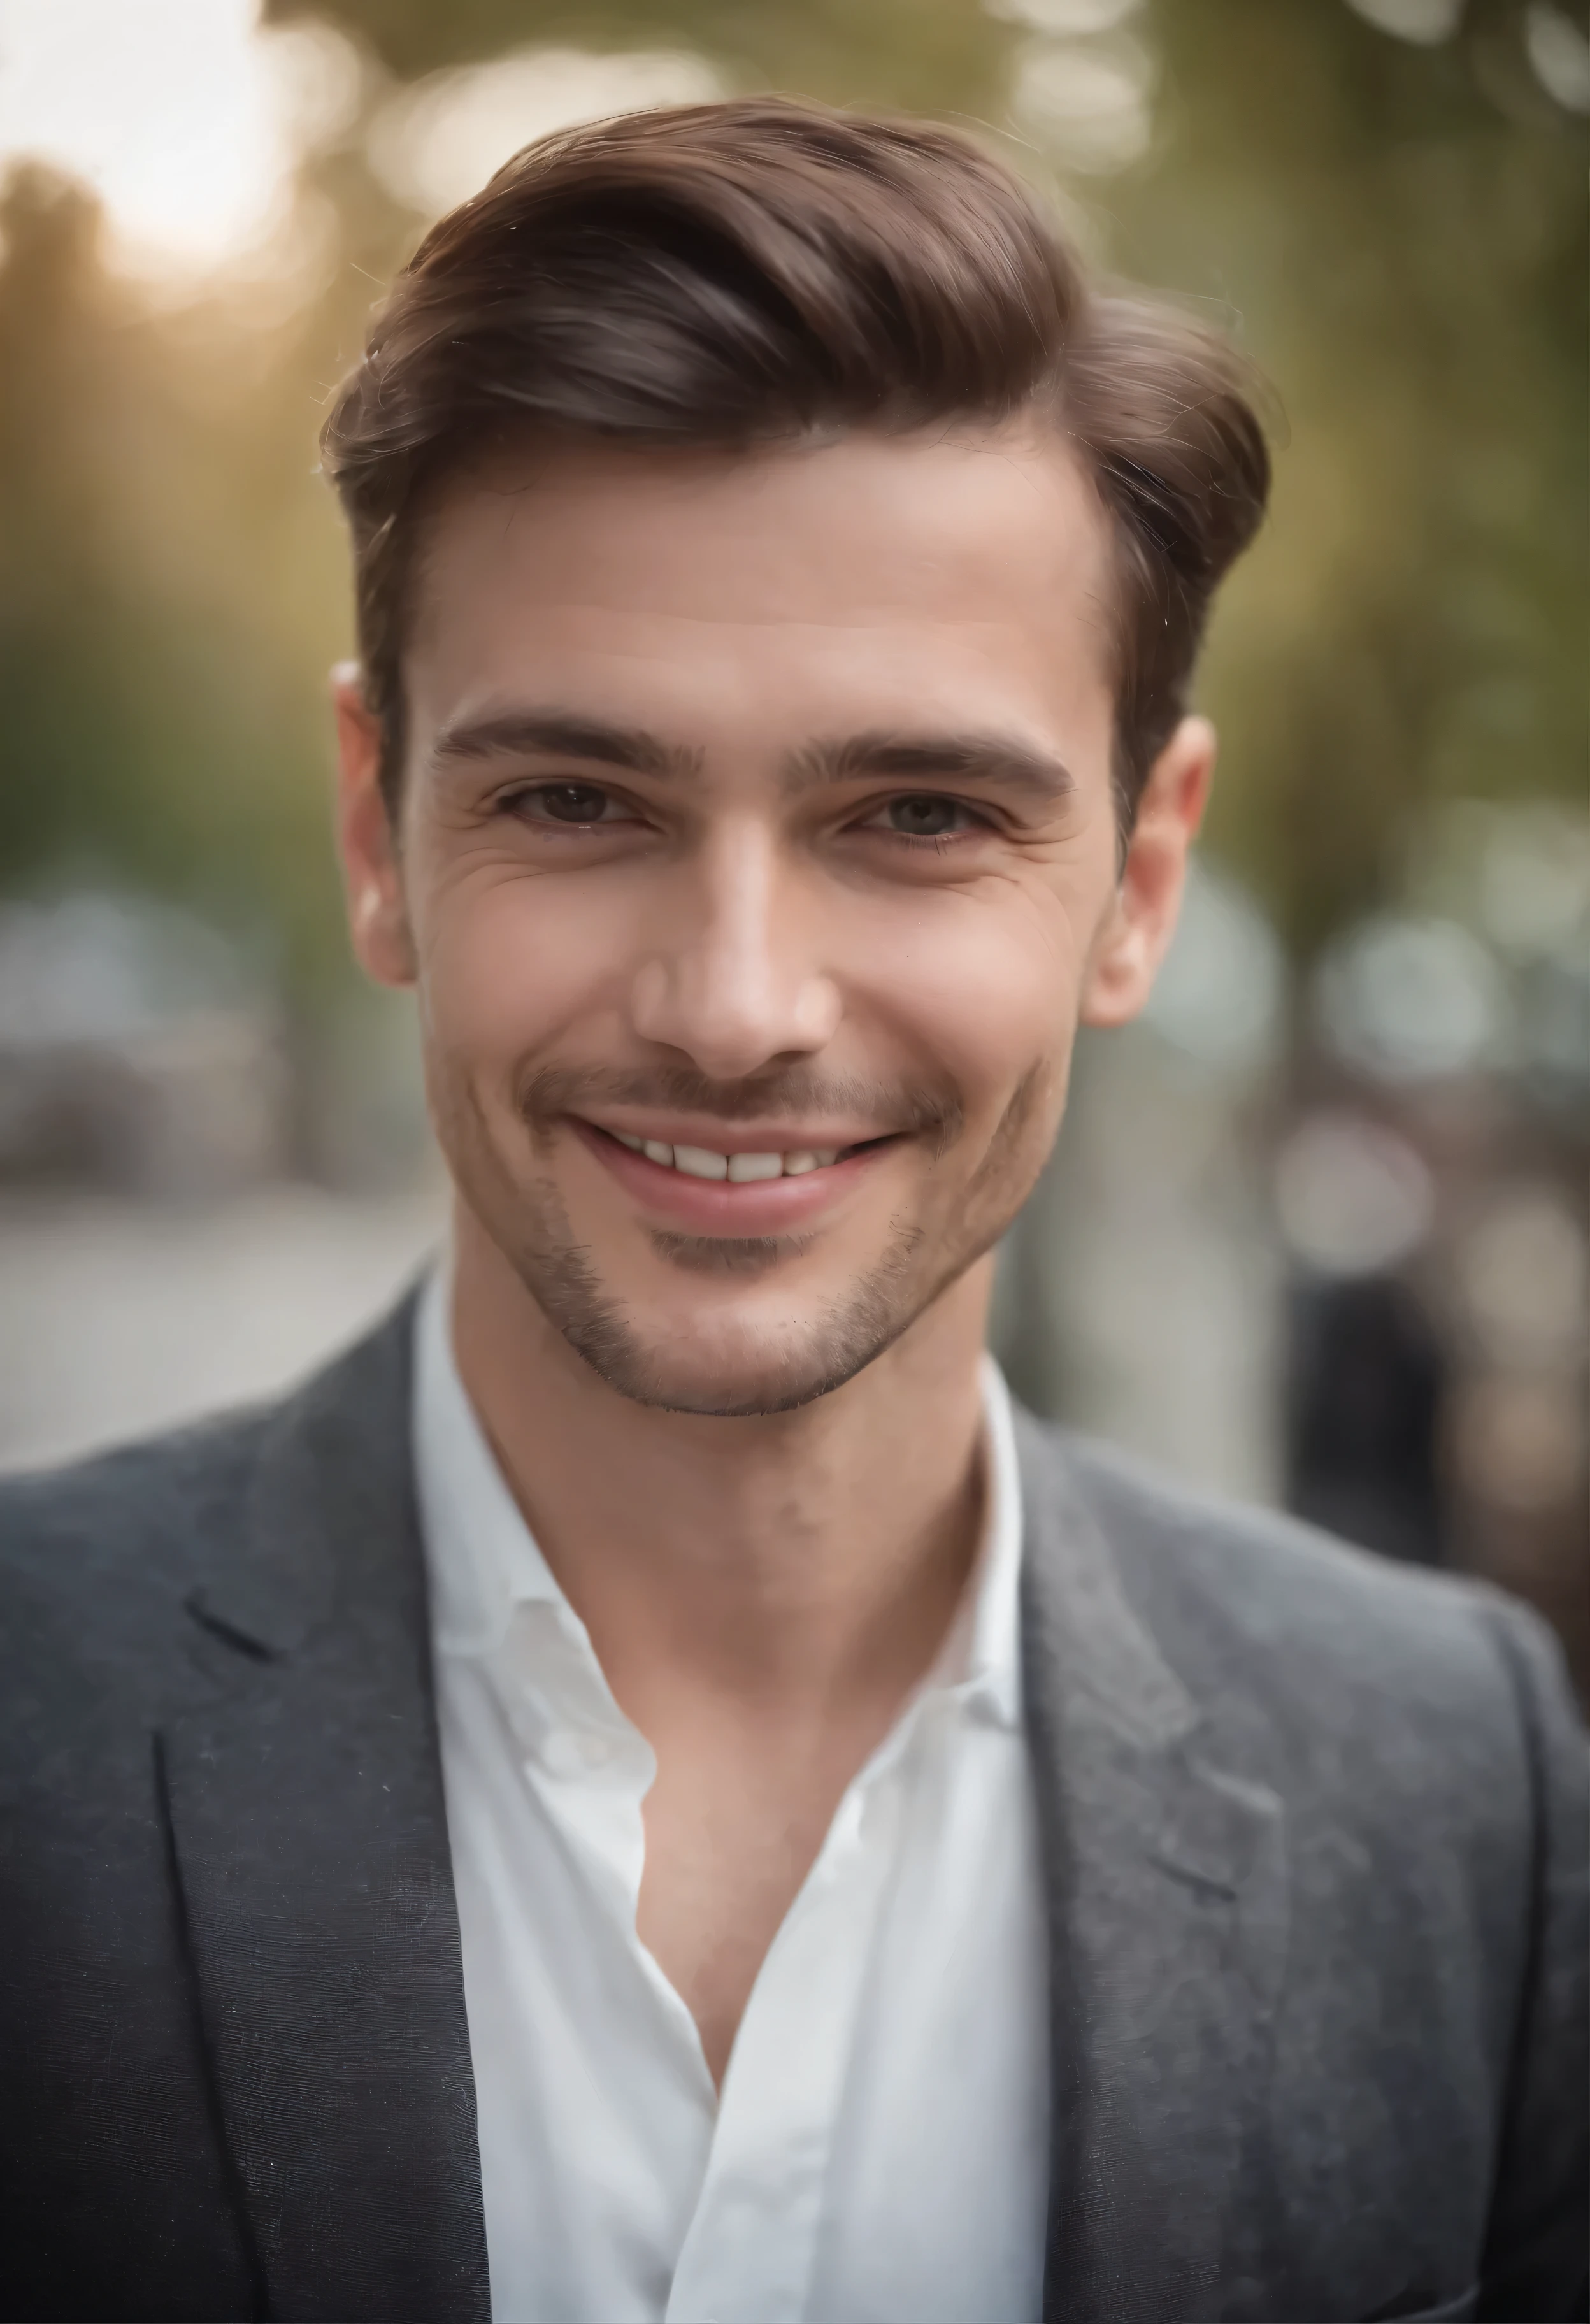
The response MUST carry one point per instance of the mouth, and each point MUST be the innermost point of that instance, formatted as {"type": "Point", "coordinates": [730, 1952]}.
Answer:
{"type": "Point", "coordinates": [763, 1191]}
{"type": "Point", "coordinates": [741, 1169]}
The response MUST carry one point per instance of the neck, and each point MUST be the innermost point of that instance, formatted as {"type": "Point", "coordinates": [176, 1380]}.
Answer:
{"type": "Point", "coordinates": [797, 1564]}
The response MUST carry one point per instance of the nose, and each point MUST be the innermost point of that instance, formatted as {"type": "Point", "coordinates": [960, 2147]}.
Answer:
{"type": "Point", "coordinates": [729, 978]}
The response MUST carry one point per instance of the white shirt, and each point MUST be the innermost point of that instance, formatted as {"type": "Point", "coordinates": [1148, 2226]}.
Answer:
{"type": "Point", "coordinates": [879, 2152]}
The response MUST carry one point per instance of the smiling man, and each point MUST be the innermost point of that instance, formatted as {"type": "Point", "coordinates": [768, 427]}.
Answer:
{"type": "Point", "coordinates": [647, 1789]}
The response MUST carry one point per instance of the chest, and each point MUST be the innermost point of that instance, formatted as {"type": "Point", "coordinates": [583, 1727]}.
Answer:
{"type": "Point", "coordinates": [731, 1834]}
{"type": "Point", "coordinates": [878, 2144]}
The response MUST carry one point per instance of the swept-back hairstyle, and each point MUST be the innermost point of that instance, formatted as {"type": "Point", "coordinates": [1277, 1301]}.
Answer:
{"type": "Point", "coordinates": [744, 273]}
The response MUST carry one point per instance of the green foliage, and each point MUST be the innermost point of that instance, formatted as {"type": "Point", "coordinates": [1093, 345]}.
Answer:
{"type": "Point", "coordinates": [159, 726]}
{"type": "Point", "coordinates": [1407, 260]}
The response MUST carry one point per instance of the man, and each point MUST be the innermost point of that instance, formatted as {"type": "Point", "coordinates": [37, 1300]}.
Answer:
{"type": "Point", "coordinates": [646, 1789]}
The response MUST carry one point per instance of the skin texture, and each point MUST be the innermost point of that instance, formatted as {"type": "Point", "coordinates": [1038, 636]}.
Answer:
{"type": "Point", "coordinates": [856, 883]}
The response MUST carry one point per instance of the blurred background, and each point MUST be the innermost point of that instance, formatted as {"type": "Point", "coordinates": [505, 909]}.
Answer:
{"type": "Point", "coordinates": [1316, 1231]}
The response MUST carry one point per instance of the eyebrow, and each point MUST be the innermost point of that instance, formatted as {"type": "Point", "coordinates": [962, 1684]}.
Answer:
{"type": "Point", "coordinates": [563, 734]}
{"type": "Point", "coordinates": [960, 758]}
{"type": "Point", "coordinates": [857, 758]}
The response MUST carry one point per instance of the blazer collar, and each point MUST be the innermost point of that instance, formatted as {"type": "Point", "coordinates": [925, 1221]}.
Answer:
{"type": "Point", "coordinates": [1166, 1892]}
{"type": "Point", "coordinates": [309, 1843]}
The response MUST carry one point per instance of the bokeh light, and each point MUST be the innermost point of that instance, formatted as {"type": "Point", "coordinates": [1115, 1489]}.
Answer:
{"type": "Point", "coordinates": [184, 116]}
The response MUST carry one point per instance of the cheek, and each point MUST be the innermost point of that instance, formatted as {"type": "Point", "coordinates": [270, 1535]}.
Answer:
{"type": "Point", "coordinates": [986, 986]}
{"type": "Point", "coordinates": [507, 962]}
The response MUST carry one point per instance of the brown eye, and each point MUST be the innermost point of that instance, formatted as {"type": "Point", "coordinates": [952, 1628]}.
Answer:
{"type": "Point", "coordinates": [927, 817]}
{"type": "Point", "coordinates": [568, 802]}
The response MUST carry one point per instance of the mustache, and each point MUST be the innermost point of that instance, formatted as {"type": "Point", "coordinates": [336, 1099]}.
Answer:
{"type": "Point", "coordinates": [794, 1093]}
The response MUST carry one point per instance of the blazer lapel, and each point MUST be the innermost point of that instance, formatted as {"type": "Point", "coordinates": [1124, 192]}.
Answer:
{"type": "Point", "coordinates": [1166, 1897]}
{"type": "Point", "coordinates": [309, 1842]}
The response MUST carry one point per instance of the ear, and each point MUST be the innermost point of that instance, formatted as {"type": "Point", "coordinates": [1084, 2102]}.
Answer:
{"type": "Point", "coordinates": [372, 874]}
{"type": "Point", "coordinates": [1135, 932]}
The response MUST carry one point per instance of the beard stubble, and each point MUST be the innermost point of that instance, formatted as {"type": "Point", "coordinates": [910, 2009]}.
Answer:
{"type": "Point", "coordinates": [530, 1224]}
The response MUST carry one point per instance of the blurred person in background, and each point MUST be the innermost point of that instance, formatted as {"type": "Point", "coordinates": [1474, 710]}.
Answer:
{"type": "Point", "coordinates": [1364, 1395]}
{"type": "Point", "coordinates": [648, 1788]}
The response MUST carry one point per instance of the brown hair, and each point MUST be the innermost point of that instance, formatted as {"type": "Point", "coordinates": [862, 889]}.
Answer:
{"type": "Point", "coordinates": [735, 274]}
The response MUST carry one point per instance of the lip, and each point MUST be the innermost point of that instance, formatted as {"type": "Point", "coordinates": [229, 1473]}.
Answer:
{"type": "Point", "coordinates": [716, 1206]}
{"type": "Point", "coordinates": [781, 1137]}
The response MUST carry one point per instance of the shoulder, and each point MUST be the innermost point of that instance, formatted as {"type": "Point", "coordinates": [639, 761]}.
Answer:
{"type": "Point", "coordinates": [95, 1557]}
{"type": "Point", "coordinates": [148, 1518]}
{"type": "Point", "coordinates": [102, 1561]}
{"type": "Point", "coordinates": [1309, 1654]}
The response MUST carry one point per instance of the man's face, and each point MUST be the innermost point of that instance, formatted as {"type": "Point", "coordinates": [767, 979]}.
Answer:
{"type": "Point", "coordinates": [758, 857]}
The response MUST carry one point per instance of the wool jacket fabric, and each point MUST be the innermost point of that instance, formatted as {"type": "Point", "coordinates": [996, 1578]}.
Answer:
{"type": "Point", "coordinates": [1315, 1857]}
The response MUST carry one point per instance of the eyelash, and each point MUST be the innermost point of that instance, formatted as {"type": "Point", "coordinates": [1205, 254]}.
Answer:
{"type": "Point", "coordinates": [974, 824]}
{"type": "Point", "coordinates": [509, 802]}
{"type": "Point", "coordinates": [976, 821]}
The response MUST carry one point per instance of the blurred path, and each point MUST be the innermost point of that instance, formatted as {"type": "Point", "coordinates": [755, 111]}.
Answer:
{"type": "Point", "coordinates": [117, 1318]}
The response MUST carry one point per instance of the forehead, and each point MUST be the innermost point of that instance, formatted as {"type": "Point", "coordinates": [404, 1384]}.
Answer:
{"type": "Point", "coordinates": [967, 563]}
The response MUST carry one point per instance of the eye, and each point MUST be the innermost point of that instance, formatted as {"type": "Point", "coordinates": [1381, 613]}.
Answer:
{"type": "Point", "coordinates": [924, 814]}
{"type": "Point", "coordinates": [576, 803]}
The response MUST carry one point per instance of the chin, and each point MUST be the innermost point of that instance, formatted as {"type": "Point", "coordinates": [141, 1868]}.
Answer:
{"type": "Point", "coordinates": [724, 1350]}
{"type": "Point", "coordinates": [730, 1367]}
{"type": "Point", "coordinates": [720, 1329]}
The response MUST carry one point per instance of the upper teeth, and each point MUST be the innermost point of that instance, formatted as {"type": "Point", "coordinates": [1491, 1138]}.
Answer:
{"type": "Point", "coordinates": [701, 1162]}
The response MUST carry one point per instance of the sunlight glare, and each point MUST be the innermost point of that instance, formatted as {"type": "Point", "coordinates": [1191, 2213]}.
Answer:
{"type": "Point", "coordinates": [183, 116]}
{"type": "Point", "coordinates": [436, 144]}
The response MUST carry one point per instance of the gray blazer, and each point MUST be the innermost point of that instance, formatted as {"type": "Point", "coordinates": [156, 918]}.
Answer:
{"type": "Point", "coordinates": [1314, 1834]}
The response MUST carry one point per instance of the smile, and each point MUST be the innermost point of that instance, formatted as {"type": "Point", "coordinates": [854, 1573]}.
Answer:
{"type": "Point", "coordinates": [705, 1190]}
{"type": "Point", "coordinates": [739, 1169]}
